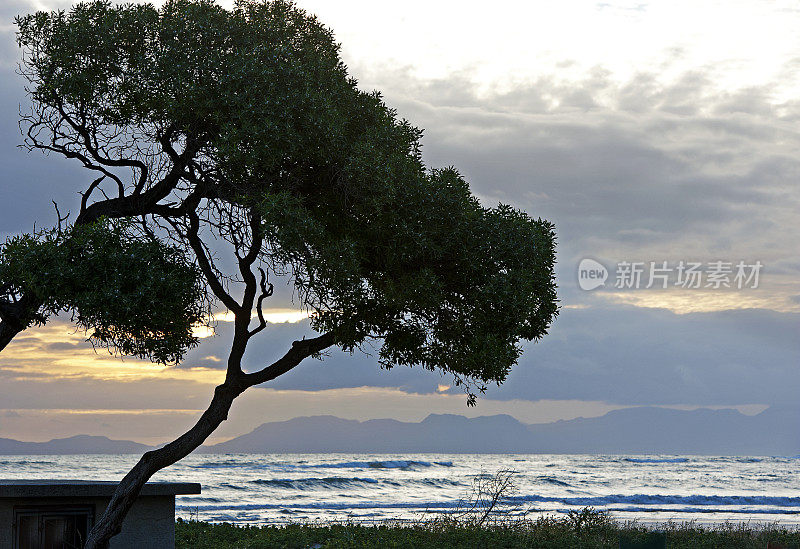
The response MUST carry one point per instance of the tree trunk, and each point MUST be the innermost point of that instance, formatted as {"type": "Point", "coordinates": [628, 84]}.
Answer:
{"type": "Point", "coordinates": [14, 318]}
{"type": "Point", "coordinates": [235, 384]}
{"type": "Point", "coordinates": [7, 333]}
{"type": "Point", "coordinates": [110, 524]}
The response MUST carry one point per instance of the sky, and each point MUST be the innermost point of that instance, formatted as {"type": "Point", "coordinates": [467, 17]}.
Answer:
{"type": "Point", "coordinates": [648, 132]}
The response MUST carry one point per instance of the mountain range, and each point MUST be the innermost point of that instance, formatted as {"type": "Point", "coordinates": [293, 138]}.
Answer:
{"type": "Point", "coordinates": [642, 430]}
{"type": "Point", "coordinates": [81, 444]}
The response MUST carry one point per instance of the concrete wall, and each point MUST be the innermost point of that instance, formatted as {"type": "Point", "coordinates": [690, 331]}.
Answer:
{"type": "Point", "coordinates": [149, 525]}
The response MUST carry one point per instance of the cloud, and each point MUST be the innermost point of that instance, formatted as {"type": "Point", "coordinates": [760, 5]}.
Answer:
{"type": "Point", "coordinates": [63, 346]}
{"type": "Point", "coordinates": [659, 164]}
{"type": "Point", "coordinates": [57, 352]}
{"type": "Point", "coordinates": [617, 353]}
{"type": "Point", "coordinates": [632, 355]}
{"type": "Point", "coordinates": [631, 174]}
{"type": "Point", "coordinates": [271, 315]}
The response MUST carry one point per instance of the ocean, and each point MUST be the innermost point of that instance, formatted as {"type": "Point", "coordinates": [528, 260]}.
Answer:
{"type": "Point", "coordinates": [280, 488]}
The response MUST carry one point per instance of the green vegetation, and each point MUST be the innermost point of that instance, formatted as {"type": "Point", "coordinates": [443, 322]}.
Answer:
{"type": "Point", "coordinates": [130, 292]}
{"type": "Point", "coordinates": [586, 530]}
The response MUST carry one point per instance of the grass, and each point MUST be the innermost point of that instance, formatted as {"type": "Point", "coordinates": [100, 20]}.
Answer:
{"type": "Point", "coordinates": [587, 529]}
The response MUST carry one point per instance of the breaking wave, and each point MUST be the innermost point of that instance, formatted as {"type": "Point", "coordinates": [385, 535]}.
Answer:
{"type": "Point", "coordinates": [314, 483]}
{"type": "Point", "coordinates": [656, 460]}
{"type": "Point", "coordinates": [638, 503]}
{"type": "Point", "coordinates": [647, 499]}
{"type": "Point", "coordinates": [387, 464]}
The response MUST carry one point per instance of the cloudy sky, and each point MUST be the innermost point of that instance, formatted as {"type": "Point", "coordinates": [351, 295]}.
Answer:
{"type": "Point", "coordinates": [647, 132]}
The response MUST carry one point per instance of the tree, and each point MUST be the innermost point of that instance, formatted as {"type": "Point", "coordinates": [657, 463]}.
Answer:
{"type": "Point", "coordinates": [239, 132]}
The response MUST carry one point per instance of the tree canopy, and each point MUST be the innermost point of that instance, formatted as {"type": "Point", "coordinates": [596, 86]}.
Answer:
{"type": "Point", "coordinates": [244, 124]}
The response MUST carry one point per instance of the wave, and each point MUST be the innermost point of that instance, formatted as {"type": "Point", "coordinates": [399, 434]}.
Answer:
{"type": "Point", "coordinates": [285, 466]}
{"type": "Point", "coordinates": [436, 482]}
{"type": "Point", "coordinates": [386, 464]}
{"type": "Point", "coordinates": [312, 483]}
{"type": "Point", "coordinates": [638, 503]}
{"type": "Point", "coordinates": [233, 486]}
{"type": "Point", "coordinates": [227, 464]}
{"type": "Point", "coordinates": [552, 480]}
{"type": "Point", "coordinates": [703, 510]}
{"type": "Point", "coordinates": [322, 505]}
{"type": "Point", "coordinates": [656, 460]}
{"type": "Point", "coordinates": [645, 499]}
{"type": "Point", "coordinates": [23, 462]}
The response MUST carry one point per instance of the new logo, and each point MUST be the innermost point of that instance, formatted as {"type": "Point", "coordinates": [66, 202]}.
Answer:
{"type": "Point", "coordinates": [591, 274]}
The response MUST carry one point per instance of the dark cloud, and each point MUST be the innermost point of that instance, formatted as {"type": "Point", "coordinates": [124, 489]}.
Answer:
{"type": "Point", "coordinates": [30, 181]}
{"type": "Point", "coordinates": [619, 354]}
{"type": "Point", "coordinates": [630, 355]}
{"type": "Point", "coordinates": [7, 374]}
{"type": "Point", "coordinates": [611, 171]}
{"type": "Point", "coordinates": [63, 346]}
{"type": "Point", "coordinates": [9, 10]}
{"type": "Point", "coordinates": [337, 369]}
{"type": "Point", "coordinates": [28, 340]}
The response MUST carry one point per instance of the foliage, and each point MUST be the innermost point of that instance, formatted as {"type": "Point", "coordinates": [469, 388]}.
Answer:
{"type": "Point", "coordinates": [245, 123]}
{"type": "Point", "coordinates": [447, 283]}
{"type": "Point", "coordinates": [131, 293]}
{"type": "Point", "coordinates": [542, 533]}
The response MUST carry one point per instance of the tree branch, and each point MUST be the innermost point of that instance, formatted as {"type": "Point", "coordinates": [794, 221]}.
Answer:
{"type": "Point", "coordinates": [300, 350]}
{"type": "Point", "coordinates": [92, 187]}
{"type": "Point", "coordinates": [89, 137]}
{"type": "Point", "coordinates": [266, 291]}
{"type": "Point", "coordinates": [192, 235]}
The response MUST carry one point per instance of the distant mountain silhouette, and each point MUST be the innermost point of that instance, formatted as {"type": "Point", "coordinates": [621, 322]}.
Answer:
{"type": "Point", "coordinates": [664, 431]}
{"type": "Point", "coordinates": [630, 431]}
{"type": "Point", "coordinates": [81, 444]}
{"type": "Point", "coordinates": [436, 433]}
{"type": "Point", "coordinates": [645, 430]}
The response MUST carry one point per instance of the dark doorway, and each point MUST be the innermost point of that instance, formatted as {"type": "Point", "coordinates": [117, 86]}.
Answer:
{"type": "Point", "coordinates": [52, 527]}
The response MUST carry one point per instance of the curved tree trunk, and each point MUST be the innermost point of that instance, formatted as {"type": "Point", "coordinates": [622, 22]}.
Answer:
{"type": "Point", "coordinates": [110, 524]}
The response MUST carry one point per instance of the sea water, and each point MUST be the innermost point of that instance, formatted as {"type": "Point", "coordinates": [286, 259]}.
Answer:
{"type": "Point", "coordinates": [279, 488]}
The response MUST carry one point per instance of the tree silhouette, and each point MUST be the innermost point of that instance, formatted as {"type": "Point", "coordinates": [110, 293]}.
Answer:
{"type": "Point", "coordinates": [238, 134]}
